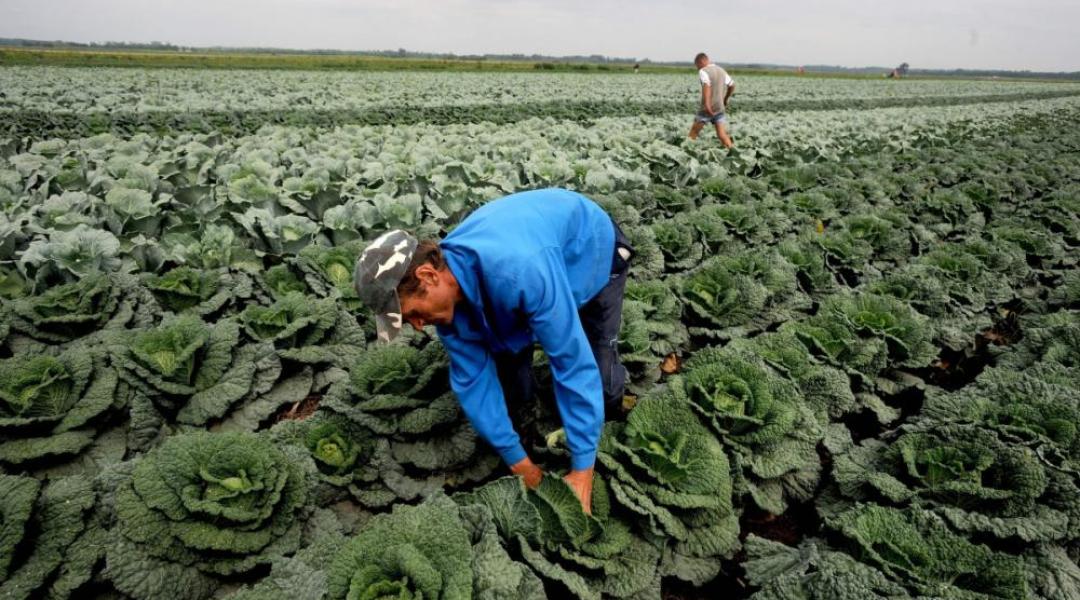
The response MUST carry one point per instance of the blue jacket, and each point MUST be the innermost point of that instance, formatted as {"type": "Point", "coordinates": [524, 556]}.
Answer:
{"type": "Point", "coordinates": [526, 263]}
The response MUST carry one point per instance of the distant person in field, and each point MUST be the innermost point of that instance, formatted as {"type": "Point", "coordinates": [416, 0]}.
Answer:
{"type": "Point", "coordinates": [545, 266]}
{"type": "Point", "coordinates": [716, 88]}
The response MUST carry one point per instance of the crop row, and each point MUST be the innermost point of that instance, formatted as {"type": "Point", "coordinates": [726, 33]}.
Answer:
{"type": "Point", "coordinates": [804, 333]}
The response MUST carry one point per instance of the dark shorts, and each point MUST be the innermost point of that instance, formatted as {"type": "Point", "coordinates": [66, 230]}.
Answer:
{"type": "Point", "coordinates": [601, 318]}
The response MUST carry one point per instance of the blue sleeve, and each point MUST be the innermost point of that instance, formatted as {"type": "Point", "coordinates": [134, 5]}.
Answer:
{"type": "Point", "coordinates": [476, 385]}
{"type": "Point", "coordinates": [547, 299]}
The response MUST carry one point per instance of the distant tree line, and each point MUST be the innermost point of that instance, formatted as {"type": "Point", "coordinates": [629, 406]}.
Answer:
{"type": "Point", "coordinates": [542, 62]}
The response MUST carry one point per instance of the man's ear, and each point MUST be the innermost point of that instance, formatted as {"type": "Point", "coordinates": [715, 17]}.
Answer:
{"type": "Point", "coordinates": [427, 274]}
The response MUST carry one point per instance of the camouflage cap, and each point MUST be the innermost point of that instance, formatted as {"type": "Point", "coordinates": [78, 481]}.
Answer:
{"type": "Point", "coordinates": [377, 274]}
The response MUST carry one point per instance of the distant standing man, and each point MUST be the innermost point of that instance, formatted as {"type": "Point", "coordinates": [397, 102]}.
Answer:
{"type": "Point", "coordinates": [716, 87]}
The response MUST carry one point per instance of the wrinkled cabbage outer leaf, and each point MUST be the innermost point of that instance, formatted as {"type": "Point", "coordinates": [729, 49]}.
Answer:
{"type": "Point", "coordinates": [914, 547]}
{"type": "Point", "coordinates": [414, 552]}
{"type": "Point", "coordinates": [53, 407]}
{"type": "Point", "coordinates": [203, 505]}
{"type": "Point", "coordinates": [199, 371]}
{"type": "Point", "coordinates": [1052, 574]}
{"type": "Point", "coordinates": [1066, 294]}
{"type": "Point", "coordinates": [44, 521]}
{"type": "Point", "coordinates": [812, 571]}
{"type": "Point", "coordinates": [667, 467]}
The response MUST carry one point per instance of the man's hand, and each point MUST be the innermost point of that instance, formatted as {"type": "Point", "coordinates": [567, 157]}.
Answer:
{"type": "Point", "coordinates": [581, 482]}
{"type": "Point", "coordinates": [528, 471]}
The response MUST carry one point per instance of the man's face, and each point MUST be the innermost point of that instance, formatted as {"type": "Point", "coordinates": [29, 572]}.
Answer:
{"type": "Point", "coordinates": [433, 303]}
{"type": "Point", "coordinates": [701, 64]}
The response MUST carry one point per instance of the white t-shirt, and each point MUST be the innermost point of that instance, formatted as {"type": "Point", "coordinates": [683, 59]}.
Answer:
{"type": "Point", "coordinates": [703, 77]}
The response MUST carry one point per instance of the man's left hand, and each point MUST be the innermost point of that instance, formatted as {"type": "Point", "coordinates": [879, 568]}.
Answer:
{"type": "Point", "coordinates": [581, 482]}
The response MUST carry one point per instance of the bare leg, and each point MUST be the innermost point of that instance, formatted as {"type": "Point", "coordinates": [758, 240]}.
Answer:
{"type": "Point", "coordinates": [695, 129]}
{"type": "Point", "coordinates": [725, 139]}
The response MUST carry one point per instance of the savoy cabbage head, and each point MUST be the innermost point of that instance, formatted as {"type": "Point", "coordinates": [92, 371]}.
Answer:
{"type": "Point", "coordinates": [75, 310]}
{"type": "Point", "coordinates": [752, 222]}
{"type": "Point", "coordinates": [731, 295]}
{"type": "Point", "coordinates": [591, 555]}
{"type": "Point", "coordinates": [814, 275]}
{"type": "Point", "coordinates": [679, 241]}
{"type": "Point", "coordinates": [12, 283]}
{"type": "Point", "coordinates": [966, 474]}
{"type": "Point", "coordinates": [867, 334]}
{"type": "Point", "coordinates": [132, 211]}
{"type": "Point", "coordinates": [915, 548]}
{"type": "Point", "coordinates": [1050, 338]}
{"type": "Point", "coordinates": [826, 389]}
{"type": "Point", "coordinates": [278, 281]}
{"type": "Point", "coordinates": [947, 212]}
{"type": "Point", "coordinates": [762, 418]}
{"type": "Point", "coordinates": [328, 271]}
{"type": "Point", "coordinates": [1035, 239]}
{"type": "Point", "coordinates": [277, 235]}
{"type": "Point", "coordinates": [666, 467]}
{"type": "Point", "coordinates": [201, 507]}
{"type": "Point", "coordinates": [812, 570]}
{"type": "Point", "coordinates": [1034, 412]}
{"type": "Point", "coordinates": [402, 393]}
{"type": "Point", "coordinates": [194, 371]}
{"type": "Point", "coordinates": [434, 550]}
{"type": "Point", "coordinates": [66, 256]}
{"type": "Point", "coordinates": [305, 330]}
{"type": "Point", "coordinates": [1038, 406]}
{"type": "Point", "coordinates": [199, 291]}
{"type": "Point", "coordinates": [215, 247]}
{"type": "Point", "coordinates": [652, 328]}
{"type": "Point", "coordinates": [347, 457]}
{"type": "Point", "coordinates": [53, 408]}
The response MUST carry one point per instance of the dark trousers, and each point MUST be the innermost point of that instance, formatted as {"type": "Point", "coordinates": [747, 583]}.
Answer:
{"type": "Point", "coordinates": [601, 318]}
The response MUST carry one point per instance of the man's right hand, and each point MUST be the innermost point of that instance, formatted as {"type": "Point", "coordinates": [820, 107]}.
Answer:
{"type": "Point", "coordinates": [528, 471]}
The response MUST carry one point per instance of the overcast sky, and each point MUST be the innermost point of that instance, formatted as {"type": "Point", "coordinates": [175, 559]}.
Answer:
{"type": "Point", "coordinates": [1038, 35]}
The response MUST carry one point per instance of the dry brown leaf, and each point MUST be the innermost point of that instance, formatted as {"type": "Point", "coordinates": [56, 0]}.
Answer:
{"type": "Point", "coordinates": [671, 364]}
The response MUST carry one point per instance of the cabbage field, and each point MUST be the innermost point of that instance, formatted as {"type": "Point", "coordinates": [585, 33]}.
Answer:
{"type": "Point", "coordinates": [853, 340]}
